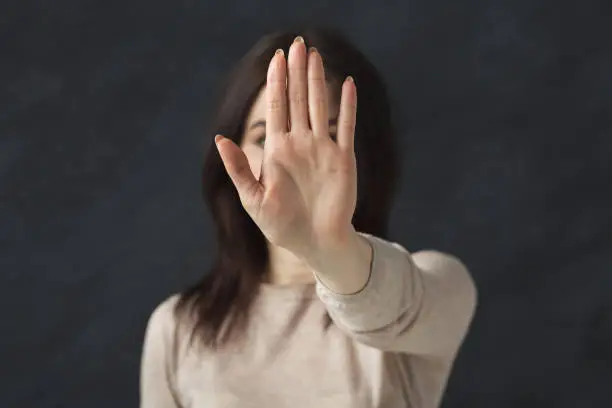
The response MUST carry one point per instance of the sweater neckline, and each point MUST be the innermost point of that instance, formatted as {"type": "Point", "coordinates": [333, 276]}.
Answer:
{"type": "Point", "coordinates": [291, 290]}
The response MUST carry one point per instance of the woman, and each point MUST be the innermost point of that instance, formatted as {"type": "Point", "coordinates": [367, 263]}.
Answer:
{"type": "Point", "coordinates": [306, 305]}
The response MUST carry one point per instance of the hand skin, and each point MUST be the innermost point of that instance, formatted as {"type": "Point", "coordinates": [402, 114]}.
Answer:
{"type": "Point", "coordinates": [305, 198]}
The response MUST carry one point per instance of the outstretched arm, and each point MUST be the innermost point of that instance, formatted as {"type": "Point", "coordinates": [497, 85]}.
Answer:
{"type": "Point", "coordinates": [381, 295]}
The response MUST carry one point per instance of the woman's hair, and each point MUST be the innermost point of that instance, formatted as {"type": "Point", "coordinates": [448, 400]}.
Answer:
{"type": "Point", "coordinates": [218, 306]}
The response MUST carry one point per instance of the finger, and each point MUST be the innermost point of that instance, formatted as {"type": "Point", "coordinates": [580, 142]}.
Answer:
{"type": "Point", "coordinates": [276, 95]}
{"type": "Point", "coordinates": [239, 171]}
{"type": "Point", "coordinates": [317, 95]}
{"type": "Point", "coordinates": [298, 85]}
{"type": "Point", "coordinates": [348, 115]}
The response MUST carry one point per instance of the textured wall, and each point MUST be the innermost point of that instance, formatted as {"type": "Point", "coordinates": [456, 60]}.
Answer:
{"type": "Point", "coordinates": [504, 110]}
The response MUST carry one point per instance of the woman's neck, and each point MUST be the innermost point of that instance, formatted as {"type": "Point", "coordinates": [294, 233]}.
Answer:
{"type": "Point", "coordinates": [284, 268]}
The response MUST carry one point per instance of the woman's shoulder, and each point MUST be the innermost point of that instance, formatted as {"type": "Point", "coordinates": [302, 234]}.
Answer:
{"type": "Point", "coordinates": [162, 319]}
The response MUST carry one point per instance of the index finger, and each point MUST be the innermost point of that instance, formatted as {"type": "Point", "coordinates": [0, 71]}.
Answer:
{"type": "Point", "coordinates": [276, 95]}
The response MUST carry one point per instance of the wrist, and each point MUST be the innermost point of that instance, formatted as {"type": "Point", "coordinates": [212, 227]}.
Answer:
{"type": "Point", "coordinates": [343, 267]}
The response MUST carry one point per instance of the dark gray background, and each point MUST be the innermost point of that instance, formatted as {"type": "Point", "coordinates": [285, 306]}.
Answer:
{"type": "Point", "coordinates": [504, 114]}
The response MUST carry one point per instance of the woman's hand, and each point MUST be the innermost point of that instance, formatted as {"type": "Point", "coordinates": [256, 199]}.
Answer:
{"type": "Point", "coordinates": [305, 198]}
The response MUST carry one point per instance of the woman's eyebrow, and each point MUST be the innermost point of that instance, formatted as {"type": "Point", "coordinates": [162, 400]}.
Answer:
{"type": "Point", "coordinates": [262, 123]}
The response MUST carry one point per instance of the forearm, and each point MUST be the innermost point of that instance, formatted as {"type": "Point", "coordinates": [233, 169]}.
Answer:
{"type": "Point", "coordinates": [419, 304]}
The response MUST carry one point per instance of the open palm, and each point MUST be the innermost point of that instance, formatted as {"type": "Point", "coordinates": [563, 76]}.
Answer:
{"type": "Point", "coordinates": [306, 195]}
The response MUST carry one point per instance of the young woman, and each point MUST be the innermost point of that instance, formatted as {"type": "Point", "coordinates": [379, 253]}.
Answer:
{"type": "Point", "coordinates": [306, 304]}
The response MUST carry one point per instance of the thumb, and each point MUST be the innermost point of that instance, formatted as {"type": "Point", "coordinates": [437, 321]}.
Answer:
{"type": "Point", "coordinates": [238, 169]}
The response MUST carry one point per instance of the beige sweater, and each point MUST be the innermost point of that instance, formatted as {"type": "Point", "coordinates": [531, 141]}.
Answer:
{"type": "Point", "coordinates": [391, 345]}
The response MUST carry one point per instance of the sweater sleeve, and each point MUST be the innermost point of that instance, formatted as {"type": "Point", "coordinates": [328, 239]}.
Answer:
{"type": "Point", "coordinates": [420, 304]}
{"type": "Point", "coordinates": [156, 374]}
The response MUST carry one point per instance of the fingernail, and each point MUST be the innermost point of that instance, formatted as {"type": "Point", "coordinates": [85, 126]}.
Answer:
{"type": "Point", "coordinates": [311, 50]}
{"type": "Point", "coordinates": [218, 138]}
{"type": "Point", "coordinates": [298, 39]}
{"type": "Point", "coordinates": [349, 79]}
{"type": "Point", "coordinates": [280, 52]}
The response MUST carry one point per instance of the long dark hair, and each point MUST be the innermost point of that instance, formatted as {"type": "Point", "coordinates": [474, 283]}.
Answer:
{"type": "Point", "coordinates": [217, 307]}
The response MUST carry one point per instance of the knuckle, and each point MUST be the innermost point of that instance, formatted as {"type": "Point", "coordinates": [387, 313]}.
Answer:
{"type": "Point", "coordinates": [275, 104]}
{"type": "Point", "coordinates": [298, 99]}
{"type": "Point", "coordinates": [317, 82]}
{"type": "Point", "coordinates": [348, 123]}
{"type": "Point", "coordinates": [320, 103]}
{"type": "Point", "coordinates": [297, 70]}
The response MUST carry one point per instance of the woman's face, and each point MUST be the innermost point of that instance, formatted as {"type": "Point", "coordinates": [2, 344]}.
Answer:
{"type": "Point", "coordinates": [255, 127]}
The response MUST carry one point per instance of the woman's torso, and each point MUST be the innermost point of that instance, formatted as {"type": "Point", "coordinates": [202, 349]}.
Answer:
{"type": "Point", "coordinates": [292, 358]}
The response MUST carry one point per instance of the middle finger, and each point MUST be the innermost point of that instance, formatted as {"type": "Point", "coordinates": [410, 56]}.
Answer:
{"type": "Point", "coordinates": [297, 84]}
